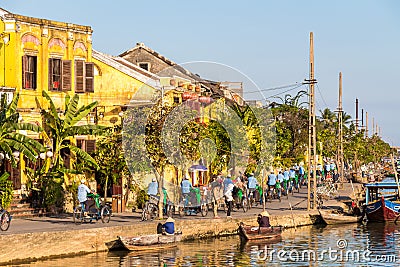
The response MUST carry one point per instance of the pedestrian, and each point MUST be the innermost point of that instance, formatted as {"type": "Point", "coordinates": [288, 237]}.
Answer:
{"type": "Point", "coordinates": [229, 200]}
{"type": "Point", "coordinates": [186, 185]}
{"type": "Point", "coordinates": [216, 190]}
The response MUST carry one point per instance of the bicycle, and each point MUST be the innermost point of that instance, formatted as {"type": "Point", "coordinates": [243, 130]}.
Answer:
{"type": "Point", "coordinates": [95, 211]}
{"type": "Point", "coordinates": [5, 219]}
{"type": "Point", "coordinates": [150, 210]}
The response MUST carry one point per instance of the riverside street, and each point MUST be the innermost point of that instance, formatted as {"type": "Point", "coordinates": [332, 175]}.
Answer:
{"type": "Point", "coordinates": [64, 222]}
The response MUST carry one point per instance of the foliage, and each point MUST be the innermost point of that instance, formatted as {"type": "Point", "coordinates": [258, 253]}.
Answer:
{"type": "Point", "coordinates": [60, 130]}
{"type": "Point", "coordinates": [10, 139]}
{"type": "Point", "coordinates": [6, 190]}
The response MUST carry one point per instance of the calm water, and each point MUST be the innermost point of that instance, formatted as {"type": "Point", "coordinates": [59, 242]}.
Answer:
{"type": "Point", "coordinates": [346, 245]}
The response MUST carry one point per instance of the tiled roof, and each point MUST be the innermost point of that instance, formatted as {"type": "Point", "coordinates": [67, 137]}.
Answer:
{"type": "Point", "coordinates": [128, 68]}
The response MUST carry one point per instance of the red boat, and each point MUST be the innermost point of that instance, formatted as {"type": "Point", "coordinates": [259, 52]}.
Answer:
{"type": "Point", "coordinates": [382, 201]}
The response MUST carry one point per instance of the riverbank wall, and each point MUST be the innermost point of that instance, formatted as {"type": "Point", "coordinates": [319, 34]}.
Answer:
{"type": "Point", "coordinates": [39, 245]}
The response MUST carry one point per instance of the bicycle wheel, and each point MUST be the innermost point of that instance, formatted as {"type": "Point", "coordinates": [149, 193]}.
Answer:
{"type": "Point", "coordinates": [152, 211]}
{"type": "Point", "coordinates": [245, 204]}
{"type": "Point", "coordinates": [105, 214]}
{"type": "Point", "coordinates": [78, 215]}
{"type": "Point", "coordinates": [145, 211]}
{"type": "Point", "coordinates": [204, 210]}
{"type": "Point", "coordinates": [5, 221]}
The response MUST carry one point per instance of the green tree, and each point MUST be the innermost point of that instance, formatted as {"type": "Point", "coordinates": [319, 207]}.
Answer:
{"type": "Point", "coordinates": [60, 128]}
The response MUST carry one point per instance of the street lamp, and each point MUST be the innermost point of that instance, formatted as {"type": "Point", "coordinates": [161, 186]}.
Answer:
{"type": "Point", "coordinates": [6, 39]}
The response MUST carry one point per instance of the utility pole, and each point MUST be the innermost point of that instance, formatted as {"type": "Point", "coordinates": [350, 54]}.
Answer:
{"type": "Point", "coordinates": [373, 126]}
{"type": "Point", "coordinates": [366, 124]}
{"type": "Point", "coordinates": [340, 119]}
{"type": "Point", "coordinates": [356, 115]}
{"type": "Point", "coordinates": [312, 135]}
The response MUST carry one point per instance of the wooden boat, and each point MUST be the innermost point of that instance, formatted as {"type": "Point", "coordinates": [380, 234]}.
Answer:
{"type": "Point", "coordinates": [334, 217]}
{"type": "Point", "coordinates": [248, 232]}
{"type": "Point", "coordinates": [382, 203]}
{"type": "Point", "coordinates": [149, 242]}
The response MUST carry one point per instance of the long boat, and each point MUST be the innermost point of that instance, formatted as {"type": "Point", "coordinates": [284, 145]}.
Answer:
{"type": "Point", "coordinates": [332, 217]}
{"type": "Point", "coordinates": [382, 201]}
{"type": "Point", "coordinates": [149, 242]}
{"type": "Point", "coordinates": [248, 232]}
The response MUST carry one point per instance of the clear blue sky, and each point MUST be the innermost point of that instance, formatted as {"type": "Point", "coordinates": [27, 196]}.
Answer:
{"type": "Point", "coordinates": [266, 40]}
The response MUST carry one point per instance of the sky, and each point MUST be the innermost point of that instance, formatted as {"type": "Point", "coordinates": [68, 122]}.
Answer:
{"type": "Point", "coordinates": [267, 41]}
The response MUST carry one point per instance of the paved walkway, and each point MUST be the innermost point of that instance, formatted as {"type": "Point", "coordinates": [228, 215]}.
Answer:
{"type": "Point", "coordinates": [64, 222]}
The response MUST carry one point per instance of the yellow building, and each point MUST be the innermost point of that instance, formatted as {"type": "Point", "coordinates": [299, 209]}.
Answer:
{"type": "Point", "coordinates": [42, 55]}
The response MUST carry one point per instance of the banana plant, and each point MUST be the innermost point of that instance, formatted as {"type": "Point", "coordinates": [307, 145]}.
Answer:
{"type": "Point", "coordinates": [61, 127]}
{"type": "Point", "coordinates": [10, 139]}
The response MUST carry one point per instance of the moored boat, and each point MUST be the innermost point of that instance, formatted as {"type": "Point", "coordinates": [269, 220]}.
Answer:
{"type": "Point", "coordinates": [333, 217]}
{"type": "Point", "coordinates": [382, 201]}
{"type": "Point", "coordinates": [248, 232]}
{"type": "Point", "coordinates": [149, 242]}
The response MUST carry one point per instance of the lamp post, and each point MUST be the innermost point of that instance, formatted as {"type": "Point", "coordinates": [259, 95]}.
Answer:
{"type": "Point", "coordinates": [6, 40]}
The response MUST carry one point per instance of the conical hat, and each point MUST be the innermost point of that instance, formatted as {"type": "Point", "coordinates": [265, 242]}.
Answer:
{"type": "Point", "coordinates": [264, 213]}
{"type": "Point", "coordinates": [170, 220]}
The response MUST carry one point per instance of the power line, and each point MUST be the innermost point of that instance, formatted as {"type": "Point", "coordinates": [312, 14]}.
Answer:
{"type": "Point", "coordinates": [323, 100]}
{"type": "Point", "coordinates": [284, 91]}
{"type": "Point", "coordinates": [274, 88]}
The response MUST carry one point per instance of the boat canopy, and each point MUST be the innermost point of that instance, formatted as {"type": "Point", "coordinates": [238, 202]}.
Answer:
{"type": "Point", "coordinates": [375, 191]}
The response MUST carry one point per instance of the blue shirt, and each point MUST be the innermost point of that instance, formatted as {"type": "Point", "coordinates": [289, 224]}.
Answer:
{"type": "Point", "coordinates": [301, 170]}
{"type": "Point", "coordinates": [327, 167]}
{"type": "Point", "coordinates": [333, 166]}
{"type": "Point", "coordinates": [153, 188]}
{"type": "Point", "coordinates": [292, 174]}
{"type": "Point", "coordinates": [285, 175]}
{"type": "Point", "coordinates": [83, 190]}
{"type": "Point", "coordinates": [280, 177]}
{"type": "Point", "coordinates": [252, 182]}
{"type": "Point", "coordinates": [272, 179]}
{"type": "Point", "coordinates": [227, 181]}
{"type": "Point", "coordinates": [186, 185]}
{"type": "Point", "coordinates": [169, 227]}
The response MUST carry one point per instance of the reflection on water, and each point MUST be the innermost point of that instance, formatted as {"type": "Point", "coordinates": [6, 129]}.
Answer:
{"type": "Point", "coordinates": [344, 245]}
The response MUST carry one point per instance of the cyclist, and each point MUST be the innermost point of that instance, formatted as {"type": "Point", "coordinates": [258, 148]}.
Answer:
{"type": "Point", "coordinates": [186, 185]}
{"type": "Point", "coordinates": [251, 185]}
{"type": "Point", "coordinates": [271, 183]}
{"type": "Point", "coordinates": [83, 190]}
{"type": "Point", "coordinates": [153, 188]}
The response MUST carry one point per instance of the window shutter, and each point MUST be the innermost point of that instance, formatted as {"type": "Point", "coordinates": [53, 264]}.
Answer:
{"type": "Point", "coordinates": [50, 74]}
{"type": "Point", "coordinates": [90, 146]}
{"type": "Point", "coordinates": [89, 77]}
{"type": "Point", "coordinates": [24, 70]}
{"type": "Point", "coordinates": [79, 76]}
{"type": "Point", "coordinates": [66, 75]}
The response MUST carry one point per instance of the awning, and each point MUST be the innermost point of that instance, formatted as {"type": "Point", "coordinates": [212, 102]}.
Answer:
{"type": "Point", "coordinates": [200, 168]}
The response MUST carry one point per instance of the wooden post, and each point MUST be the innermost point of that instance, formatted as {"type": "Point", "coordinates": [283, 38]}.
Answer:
{"type": "Point", "coordinates": [340, 120]}
{"type": "Point", "coordinates": [312, 135]}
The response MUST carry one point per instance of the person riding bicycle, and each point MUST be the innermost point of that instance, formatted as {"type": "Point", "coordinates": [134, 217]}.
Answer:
{"type": "Point", "coordinates": [286, 179]}
{"type": "Point", "coordinates": [153, 188]}
{"type": "Point", "coordinates": [83, 192]}
{"type": "Point", "coordinates": [252, 184]}
{"type": "Point", "coordinates": [271, 181]}
{"type": "Point", "coordinates": [186, 185]}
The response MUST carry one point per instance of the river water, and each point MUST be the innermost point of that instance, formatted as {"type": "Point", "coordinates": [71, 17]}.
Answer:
{"type": "Point", "coordinates": [343, 245]}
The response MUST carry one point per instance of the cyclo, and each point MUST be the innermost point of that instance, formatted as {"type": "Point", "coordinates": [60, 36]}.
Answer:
{"type": "Point", "coordinates": [193, 203]}
{"type": "Point", "coordinates": [95, 210]}
{"type": "Point", "coordinates": [240, 199]}
{"type": "Point", "coordinates": [150, 209]}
